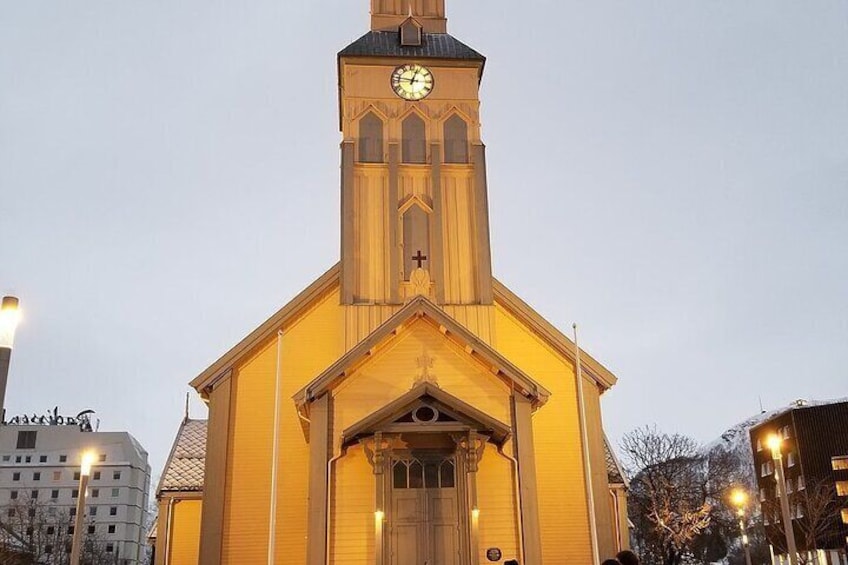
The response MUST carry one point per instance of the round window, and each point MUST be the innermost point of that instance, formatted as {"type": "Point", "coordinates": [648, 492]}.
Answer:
{"type": "Point", "coordinates": [425, 415]}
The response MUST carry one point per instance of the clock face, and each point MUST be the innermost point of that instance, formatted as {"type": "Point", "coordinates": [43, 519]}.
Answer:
{"type": "Point", "coordinates": [412, 82]}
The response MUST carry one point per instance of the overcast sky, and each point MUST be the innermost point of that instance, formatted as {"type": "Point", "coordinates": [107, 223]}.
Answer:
{"type": "Point", "coordinates": [670, 174]}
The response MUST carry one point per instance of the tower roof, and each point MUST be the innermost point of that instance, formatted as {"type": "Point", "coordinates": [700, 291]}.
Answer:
{"type": "Point", "coordinates": [433, 46]}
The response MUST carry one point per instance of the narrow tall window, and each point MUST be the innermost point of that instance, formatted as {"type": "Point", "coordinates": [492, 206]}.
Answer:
{"type": "Point", "coordinates": [414, 148]}
{"type": "Point", "coordinates": [416, 240]}
{"type": "Point", "coordinates": [456, 140]}
{"type": "Point", "coordinates": [370, 139]}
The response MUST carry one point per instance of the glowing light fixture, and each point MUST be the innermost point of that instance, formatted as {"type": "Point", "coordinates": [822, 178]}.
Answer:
{"type": "Point", "coordinates": [10, 317]}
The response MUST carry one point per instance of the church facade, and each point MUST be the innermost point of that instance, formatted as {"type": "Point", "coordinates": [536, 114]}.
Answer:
{"type": "Point", "coordinates": [406, 408]}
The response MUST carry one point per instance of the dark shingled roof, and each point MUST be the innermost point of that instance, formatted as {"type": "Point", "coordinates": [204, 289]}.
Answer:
{"type": "Point", "coordinates": [433, 46]}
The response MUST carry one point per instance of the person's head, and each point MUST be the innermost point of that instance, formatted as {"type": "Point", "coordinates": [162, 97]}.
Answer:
{"type": "Point", "coordinates": [611, 562]}
{"type": "Point", "coordinates": [627, 557]}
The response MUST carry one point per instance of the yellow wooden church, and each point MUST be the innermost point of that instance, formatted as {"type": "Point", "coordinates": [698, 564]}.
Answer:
{"type": "Point", "coordinates": [406, 408]}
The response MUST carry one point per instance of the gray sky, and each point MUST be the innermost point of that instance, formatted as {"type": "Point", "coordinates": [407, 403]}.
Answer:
{"type": "Point", "coordinates": [672, 175]}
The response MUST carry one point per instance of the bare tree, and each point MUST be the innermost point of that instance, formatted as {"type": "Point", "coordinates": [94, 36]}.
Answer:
{"type": "Point", "coordinates": [42, 532]}
{"type": "Point", "coordinates": [816, 512]}
{"type": "Point", "coordinates": [675, 496]}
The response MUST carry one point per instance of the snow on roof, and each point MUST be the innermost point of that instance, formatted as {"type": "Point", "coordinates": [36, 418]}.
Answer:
{"type": "Point", "coordinates": [184, 470]}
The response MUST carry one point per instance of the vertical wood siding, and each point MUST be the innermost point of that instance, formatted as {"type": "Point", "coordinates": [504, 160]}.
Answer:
{"type": "Point", "coordinates": [563, 505]}
{"type": "Point", "coordinates": [309, 345]}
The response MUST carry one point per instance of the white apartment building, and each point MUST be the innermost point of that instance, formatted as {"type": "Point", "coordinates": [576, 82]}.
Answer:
{"type": "Point", "coordinates": [39, 482]}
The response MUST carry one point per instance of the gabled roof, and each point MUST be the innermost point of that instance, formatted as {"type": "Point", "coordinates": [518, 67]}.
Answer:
{"type": "Point", "coordinates": [184, 470]}
{"type": "Point", "coordinates": [551, 335]}
{"type": "Point", "coordinates": [421, 308]}
{"type": "Point", "coordinates": [329, 281]}
{"type": "Point", "coordinates": [220, 368]}
{"type": "Point", "coordinates": [433, 46]}
{"type": "Point", "coordinates": [429, 395]}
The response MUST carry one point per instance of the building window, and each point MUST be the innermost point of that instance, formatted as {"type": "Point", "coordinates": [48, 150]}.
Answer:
{"type": "Point", "coordinates": [70, 530]}
{"type": "Point", "coordinates": [791, 459]}
{"type": "Point", "coordinates": [10, 512]}
{"type": "Point", "coordinates": [96, 476]}
{"type": "Point", "coordinates": [801, 484]}
{"type": "Point", "coordinates": [414, 140]}
{"type": "Point", "coordinates": [29, 531]}
{"type": "Point", "coordinates": [42, 459]}
{"type": "Point", "coordinates": [63, 459]}
{"type": "Point", "coordinates": [72, 512]}
{"type": "Point", "coordinates": [54, 494]}
{"type": "Point", "coordinates": [16, 476]}
{"type": "Point", "coordinates": [799, 510]}
{"type": "Point", "coordinates": [7, 458]}
{"type": "Point", "coordinates": [51, 530]}
{"type": "Point", "coordinates": [28, 459]}
{"type": "Point", "coordinates": [91, 529]}
{"type": "Point", "coordinates": [786, 432]}
{"type": "Point", "coordinates": [13, 495]}
{"type": "Point", "coordinates": [33, 494]}
{"type": "Point", "coordinates": [75, 493]}
{"type": "Point", "coordinates": [113, 511]}
{"type": "Point", "coordinates": [116, 492]}
{"type": "Point", "coordinates": [790, 486]}
{"type": "Point", "coordinates": [110, 547]}
{"type": "Point", "coordinates": [48, 549]}
{"type": "Point", "coordinates": [767, 468]}
{"type": "Point", "coordinates": [762, 495]}
{"type": "Point", "coordinates": [839, 463]}
{"type": "Point", "coordinates": [111, 529]}
{"type": "Point", "coordinates": [36, 476]}
{"type": "Point", "coordinates": [456, 140]}
{"type": "Point", "coordinates": [57, 475]}
{"type": "Point", "coordinates": [370, 139]}
{"type": "Point", "coordinates": [18, 459]}
{"type": "Point", "coordinates": [92, 511]}
{"type": "Point", "coordinates": [841, 488]}
{"type": "Point", "coordinates": [116, 475]}
{"type": "Point", "coordinates": [416, 240]}
{"type": "Point", "coordinates": [102, 457]}
{"type": "Point", "coordinates": [31, 512]}
{"type": "Point", "coordinates": [95, 493]}
{"type": "Point", "coordinates": [759, 445]}
{"type": "Point", "coordinates": [76, 475]}
{"type": "Point", "coordinates": [844, 513]}
{"type": "Point", "coordinates": [26, 440]}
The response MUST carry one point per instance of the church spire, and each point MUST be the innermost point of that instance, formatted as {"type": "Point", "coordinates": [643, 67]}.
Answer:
{"type": "Point", "coordinates": [387, 15]}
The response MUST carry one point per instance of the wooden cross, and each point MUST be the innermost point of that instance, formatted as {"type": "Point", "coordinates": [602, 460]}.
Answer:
{"type": "Point", "coordinates": [419, 258]}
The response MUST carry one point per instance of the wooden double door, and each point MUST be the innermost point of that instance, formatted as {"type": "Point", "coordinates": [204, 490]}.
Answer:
{"type": "Point", "coordinates": [425, 523]}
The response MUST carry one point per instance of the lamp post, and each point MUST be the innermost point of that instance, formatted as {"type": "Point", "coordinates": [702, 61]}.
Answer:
{"type": "Point", "coordinates": [10, 315]}
{"type": "Point", "coordinates": [740, 499]}
{"type": "Point", "coordinates": [774, 442]}
{"type": "Point", "coordinates": [85, 471]}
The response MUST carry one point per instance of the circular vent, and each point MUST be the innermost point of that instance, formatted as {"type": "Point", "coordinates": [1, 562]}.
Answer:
{"type": "Point", "coordinates": [425, 415]}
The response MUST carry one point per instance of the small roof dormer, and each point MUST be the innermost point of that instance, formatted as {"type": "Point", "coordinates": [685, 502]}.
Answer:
{"type": "Point", "coordinates": [411, 32]}
{"type": "Point", "coordinates": [388, 15]}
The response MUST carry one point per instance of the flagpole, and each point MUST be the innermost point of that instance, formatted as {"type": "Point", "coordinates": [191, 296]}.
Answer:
{"type": "Point", "coordinates": [272, 522]}
{"type": "Point", "coordinates": [587, 465]}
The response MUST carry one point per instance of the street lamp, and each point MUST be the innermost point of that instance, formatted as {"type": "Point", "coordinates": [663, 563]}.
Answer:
{"type": "Point", "coordinates": [774, 442]}
{"type": "Point", "coordinates": [739, 498]}
{"type": "Point", "coordinates": [10, 315]}
{"type": "Point", "coordinates": [85, 472]}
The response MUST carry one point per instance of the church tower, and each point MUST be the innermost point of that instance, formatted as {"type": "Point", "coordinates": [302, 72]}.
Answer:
{"type": "Point", "coordinates": [414, 203]}
{"type": "Point", "coordinates": [406, 407]}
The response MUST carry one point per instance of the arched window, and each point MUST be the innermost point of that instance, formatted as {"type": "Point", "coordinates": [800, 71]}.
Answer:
{"type": "Point", "coordinates": [414, 146]}
{"type": "Point", "coordinates": [371, 139]}
{"type": "Point", "coordinates": [456, 140]}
